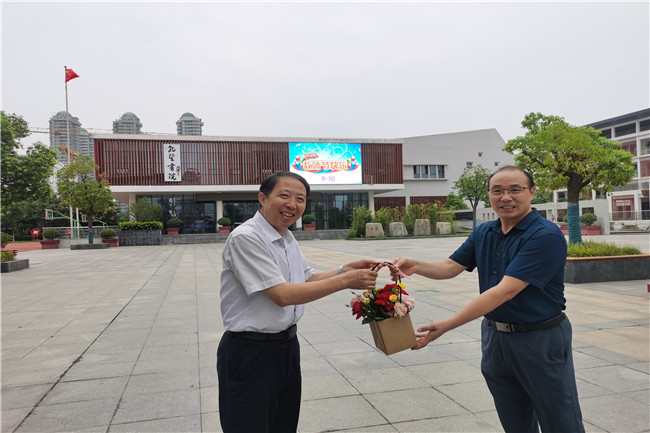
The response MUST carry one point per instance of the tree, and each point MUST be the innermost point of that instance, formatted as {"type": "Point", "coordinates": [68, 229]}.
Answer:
{"type": "Point", "coordinates": [565, 156]}
{"type": "Point", "coordinates": [144, 211]}
{"type": "Point", "coordinates": [472, 186]}
{"type": "Point", "coordinates": [24, 177]}
{"type": "Point", "coordinates": [78, 189]}
{"type": "Point", "coordinates": [456, 202]}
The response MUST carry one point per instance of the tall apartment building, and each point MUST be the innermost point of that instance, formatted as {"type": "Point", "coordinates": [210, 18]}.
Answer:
{"type": "Point", "coordinates": [81, 142]}
{"type": "Point", "coordinates": [129, 123]}
{"type": "Point", "coordinates": [189, 124]}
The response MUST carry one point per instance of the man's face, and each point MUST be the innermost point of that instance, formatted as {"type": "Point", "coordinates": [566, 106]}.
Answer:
{"type": "Point", "coordinates": [285, 204]}
{"type": "Point", "coordinates": [511, 207]}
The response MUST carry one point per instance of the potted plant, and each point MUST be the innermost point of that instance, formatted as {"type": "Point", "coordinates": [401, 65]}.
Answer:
{"type": "Point", "coordinates": [173, 226]}
{"type": "Point", "coordinates": [50, 239]}
{"type": "Point", "coordinates": [308, 222]}
{"type": "Point", "coordinates": [224, 224]}
{"type": "Point", "coordinates": [109, 237]}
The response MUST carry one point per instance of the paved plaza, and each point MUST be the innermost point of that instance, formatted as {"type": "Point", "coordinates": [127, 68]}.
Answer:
{"type": "Point", "coordinates": [124, 340]}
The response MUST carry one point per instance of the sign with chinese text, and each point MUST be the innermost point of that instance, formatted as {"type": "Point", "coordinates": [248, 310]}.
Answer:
{"type": "Point", "coordinates": [172, 154]}
{"type": "Point", "coordinates": [326, 163]}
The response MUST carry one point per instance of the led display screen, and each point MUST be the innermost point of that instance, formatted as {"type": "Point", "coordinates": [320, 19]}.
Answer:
{"type": "Point", "coordinates": [326, 163]}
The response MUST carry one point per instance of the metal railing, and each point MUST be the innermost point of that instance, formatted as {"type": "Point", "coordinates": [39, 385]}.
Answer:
{"type": "Point", "coordinates": [630, 215]}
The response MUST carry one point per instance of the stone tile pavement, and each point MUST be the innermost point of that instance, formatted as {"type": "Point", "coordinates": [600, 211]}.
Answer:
{"type": "Point", "coordinates": [124, 340]}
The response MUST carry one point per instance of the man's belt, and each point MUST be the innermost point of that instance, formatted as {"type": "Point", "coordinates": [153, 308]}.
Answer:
{"type": "Point", "coordinates": [288, 334]}
{"type": "Point", "coordinates": [527, 327]}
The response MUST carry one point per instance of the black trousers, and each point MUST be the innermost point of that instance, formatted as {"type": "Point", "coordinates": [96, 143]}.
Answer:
{"type": "Point", "coordinates": [259, 385]}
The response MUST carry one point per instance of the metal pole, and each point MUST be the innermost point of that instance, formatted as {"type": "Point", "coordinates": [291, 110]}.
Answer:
{"type": "Point", "coordinates": [67, 127]}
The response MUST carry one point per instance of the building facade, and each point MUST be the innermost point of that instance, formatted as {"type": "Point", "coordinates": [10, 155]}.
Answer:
{"type": "Point", "coordinates": [129, 123]}
{"type": "Point", "coordinates": [201, 179]}
{"type": "Point", "coordinates": [625, 208]}
{"type": "Point", "coordinates": [432, 164]}
{"type": "Point", "coordinates": [189, 124]}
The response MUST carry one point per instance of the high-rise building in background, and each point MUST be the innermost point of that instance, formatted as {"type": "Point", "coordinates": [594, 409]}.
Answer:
{"type": "Point", "coordinates": [189, 124]}
{"type": "Point", "coordinates": [81, 143]}
{"type": "Point", "coordinates": [129, 123]}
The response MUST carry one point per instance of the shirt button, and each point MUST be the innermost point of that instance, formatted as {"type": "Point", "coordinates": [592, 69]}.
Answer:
{"type": "Point", "coordinates": [494, 272]}
{"type": "Point", "coordinates": [498, 254]}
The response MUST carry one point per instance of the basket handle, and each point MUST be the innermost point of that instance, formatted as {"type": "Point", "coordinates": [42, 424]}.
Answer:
{"type": "Point", "coordinates": [399, 278]}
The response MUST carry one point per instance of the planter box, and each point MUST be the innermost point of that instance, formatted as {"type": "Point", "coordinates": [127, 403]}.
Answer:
{"type": "Point", "coordinates": [173, 231]}
{"type": "Point", "coordinates": [113, 242]}
{"type": "Point", "coordinates": [224, 229]}
{"type": "Point", "coordinates": [15, 265]}
{"type": "Point", "coordinates": [393, 335]}
{"type": "Point", "coordinates": [610, 268]}
{"type": "Point", "coordinates": [129, 238]}
{"type": "Point", "coordinates": [49, 244]}
{"type": "Point", "coordinates": [309, 227]}
{"type": "Point", "coordinates": [89, 246]}
{"type": "Point", "coordinates": [584, 230]}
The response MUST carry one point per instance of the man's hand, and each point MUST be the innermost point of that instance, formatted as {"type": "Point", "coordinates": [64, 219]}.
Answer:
{"type": "Point", "coordinates": [361, 279]}
{"type": "Point", "coordinates": [428, 333]}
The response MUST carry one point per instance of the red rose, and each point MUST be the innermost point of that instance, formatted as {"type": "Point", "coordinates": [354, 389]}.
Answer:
{"type": "Point", "coordinates": [357, 309]}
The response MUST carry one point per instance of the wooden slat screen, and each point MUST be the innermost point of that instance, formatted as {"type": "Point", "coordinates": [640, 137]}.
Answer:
{"type": "Point", "coordinates": [140, 162]}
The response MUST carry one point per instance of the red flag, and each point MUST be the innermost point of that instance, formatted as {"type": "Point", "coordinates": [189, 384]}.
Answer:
{"type": "Point", "coordinates": [70, 74]}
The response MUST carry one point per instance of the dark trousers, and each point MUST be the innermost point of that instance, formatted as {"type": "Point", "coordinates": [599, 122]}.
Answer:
{"type": "Point", "coordinates": [259, 385]}
{"type": "Point", "coordinates": [532, 379]}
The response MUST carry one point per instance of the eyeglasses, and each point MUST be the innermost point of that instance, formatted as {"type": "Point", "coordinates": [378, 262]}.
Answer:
{"type": "Point", "coordinates": [513, 190]}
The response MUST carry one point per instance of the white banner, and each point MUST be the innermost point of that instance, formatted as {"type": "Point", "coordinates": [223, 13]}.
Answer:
{"type": "Point", "coordinates": [172, 154]}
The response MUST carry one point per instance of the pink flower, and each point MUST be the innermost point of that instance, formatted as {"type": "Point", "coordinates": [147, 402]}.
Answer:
{"type": "Point", "coordinates": [408, 301]}
{"type": "Point", "coordinates": [400, 309]}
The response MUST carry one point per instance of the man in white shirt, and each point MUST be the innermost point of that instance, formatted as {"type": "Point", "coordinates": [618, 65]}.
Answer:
{"type": "Point", "coordinates": [264, 283]}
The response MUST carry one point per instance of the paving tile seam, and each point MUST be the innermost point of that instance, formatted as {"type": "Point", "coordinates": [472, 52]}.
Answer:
{"type": "Point", "coordinates": [79, 358]}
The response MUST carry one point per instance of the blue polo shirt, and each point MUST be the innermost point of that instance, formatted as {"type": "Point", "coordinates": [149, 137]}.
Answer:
{"type": "Point", "coordinates": [533, 251]}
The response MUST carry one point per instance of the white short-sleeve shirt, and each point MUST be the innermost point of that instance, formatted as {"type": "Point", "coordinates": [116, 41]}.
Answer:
{"type": "Point", "coordinates": [255, 258]}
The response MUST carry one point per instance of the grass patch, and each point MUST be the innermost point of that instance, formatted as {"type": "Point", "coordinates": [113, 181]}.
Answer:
{"type": "Point", "coordinates": [599, 249]}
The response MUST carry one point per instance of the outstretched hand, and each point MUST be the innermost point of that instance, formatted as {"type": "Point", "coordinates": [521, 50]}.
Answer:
{"type": "Point", "coordinates": [428, 333]}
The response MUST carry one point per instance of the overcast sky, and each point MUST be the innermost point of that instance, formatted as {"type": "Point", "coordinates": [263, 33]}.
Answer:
{"type": "Point", "coordinates": [331, 70]}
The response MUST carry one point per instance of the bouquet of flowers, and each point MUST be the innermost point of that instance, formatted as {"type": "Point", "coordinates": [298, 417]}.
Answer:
{"type": "Point", "coordinates": [382, 303]}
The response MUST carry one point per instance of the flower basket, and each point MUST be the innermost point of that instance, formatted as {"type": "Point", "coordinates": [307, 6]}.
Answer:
{"type": "Point", "coordinates": [386, 310]}
{"type": "Point", "coordinates": [393, 335]}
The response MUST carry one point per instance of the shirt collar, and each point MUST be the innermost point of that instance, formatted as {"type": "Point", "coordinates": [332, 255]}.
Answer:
{"type": "Point", "coordinates": [521, 225]}
{"type": "Point", "coordinates": [269, 232]}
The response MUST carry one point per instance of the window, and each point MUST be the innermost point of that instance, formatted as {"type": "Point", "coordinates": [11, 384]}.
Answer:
{"type": "Point", "coordinates": [644, 125]}
{"type": "Point", "coordinates": [607, 133]}
{"type": "Point", "coordinates": [469, 164]}
{"type": "Point", "coordinates": [630, 128]}
{"type": "Point", "coordinates": [428, 172]}
{"type": "Point", "coordinates": [480, 154]}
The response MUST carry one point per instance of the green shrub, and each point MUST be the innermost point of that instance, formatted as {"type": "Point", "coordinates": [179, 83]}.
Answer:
{"type": "Point", "coordinates": [384, 216]}
{"type": "Point", "coordinates": [598, 249]}
{"type": "Point", "coordinates": [7, 256]}
{"type": "Point", "coordinates": [308, 218]}
{"type": "Point", "coordinates": [352, 233]}
{"type": "Point", "coordinates": [51, 234]}
{"type": "Point", "coordinates": [144, 210]}
{"type": "Point", "coordinates": [6, 239]}
{"type": "Point", "coordinates": [174, 223]}
{"type": "Point", "coordinates": [224, 221]}
{"type": "Point", "coordinates": [148, 225]}
{"type": "Point", "coordinates": [588, 219]}
{"type": "Point", "coordinates": [360, 216]}
{"type": "Point", "coordinates": [108, 234]}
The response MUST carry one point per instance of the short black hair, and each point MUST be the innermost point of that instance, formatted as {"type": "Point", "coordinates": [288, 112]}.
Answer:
{"type": "Point", "coordinates": [269, 183]}
{"type": "Point", "coordinates": [531, 180]}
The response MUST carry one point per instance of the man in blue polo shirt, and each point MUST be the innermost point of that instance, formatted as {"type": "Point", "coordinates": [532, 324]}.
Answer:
{"type": "Point", "coordinates": [526, 337]}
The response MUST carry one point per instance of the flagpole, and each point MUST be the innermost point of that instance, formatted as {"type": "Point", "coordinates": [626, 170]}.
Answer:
{"type": "Point", "coordinates": [67, 127]}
